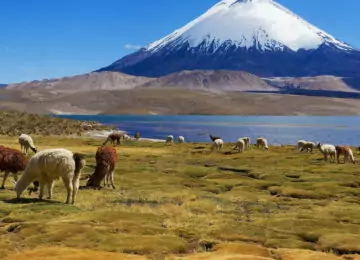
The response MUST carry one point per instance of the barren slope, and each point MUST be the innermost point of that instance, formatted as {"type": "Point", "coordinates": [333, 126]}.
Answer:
{"type": "Point", "coordinates": [221, 80]}
{"type": "Point", "coordinates": [85, 82]}
{"type": "Point", "coordinates": [174, 101]}
{"type": "Point", "coordinates": [329, 83]}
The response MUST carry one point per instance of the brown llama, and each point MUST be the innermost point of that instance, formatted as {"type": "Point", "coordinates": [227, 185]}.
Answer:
{"type": "Point", "coordinates": [106, 160]}
{"type": "Point", "coordinates": [213, 138]}
{"type": "Point", "coordinates": [113, 137]}
{"type": "Point", "coordinates": [137, 135]}
{"type": "Point", "coordinates": [11, 160]}
{"type": "Point", "coordinates": [346, 152]}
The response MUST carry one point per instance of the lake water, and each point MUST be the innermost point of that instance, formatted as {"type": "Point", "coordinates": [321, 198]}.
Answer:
{"type": "Point", "coordinates": [277, 129]}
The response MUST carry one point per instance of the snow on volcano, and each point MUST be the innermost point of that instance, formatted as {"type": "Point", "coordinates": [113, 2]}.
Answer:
{"type": "Point", "coordinates": [258, 36]}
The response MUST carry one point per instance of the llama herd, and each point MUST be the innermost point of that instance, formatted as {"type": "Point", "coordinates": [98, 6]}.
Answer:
{"type": "Point", "coordinates": [48, 165]}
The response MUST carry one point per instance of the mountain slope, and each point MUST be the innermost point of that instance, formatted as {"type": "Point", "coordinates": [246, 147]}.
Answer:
{"type": "Point", "coordinates": [258, 36]}
{"type": "Point", "coordinates": [85, 82]}
{"type": "Point", "coordinates": [324, 83]}
{"type": "Point", "coordinates": [212, 80]}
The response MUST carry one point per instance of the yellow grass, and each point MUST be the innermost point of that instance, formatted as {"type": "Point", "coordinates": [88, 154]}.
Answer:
{"type": "Point", "coordinates": [183, 202]}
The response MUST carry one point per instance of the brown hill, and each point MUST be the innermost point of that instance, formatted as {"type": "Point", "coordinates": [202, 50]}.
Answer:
{"type": "Point", "coordinates": [219, 80]}
{"type": "Point", "coordinates": [85, 82]}
{"type": "Point", "coordinates": [174, 101]}
{"type": "Point", "coordinates": [328, 83]}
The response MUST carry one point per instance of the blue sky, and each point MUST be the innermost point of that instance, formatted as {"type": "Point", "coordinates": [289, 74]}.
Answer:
{"type": "Point", "coordinates": [54, 38]}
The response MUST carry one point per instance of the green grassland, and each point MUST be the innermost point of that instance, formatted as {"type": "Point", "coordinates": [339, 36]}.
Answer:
{"type": "Point", "coordinates": [179, 200]}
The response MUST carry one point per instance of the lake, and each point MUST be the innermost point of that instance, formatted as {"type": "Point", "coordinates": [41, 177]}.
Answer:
{"type": "Point", "coordinates": [277, 129]}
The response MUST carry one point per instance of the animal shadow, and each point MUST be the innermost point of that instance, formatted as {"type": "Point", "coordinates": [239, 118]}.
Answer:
{"type": "Point", "coordinates": [29, 201]}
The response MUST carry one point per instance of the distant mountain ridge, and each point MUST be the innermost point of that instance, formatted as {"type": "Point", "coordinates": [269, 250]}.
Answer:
{"type": "Point", "coordinates": [258, 36]}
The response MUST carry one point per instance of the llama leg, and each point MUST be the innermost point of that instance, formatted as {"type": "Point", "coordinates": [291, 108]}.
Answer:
{"type": "Point", "coordinates": [338, 158]}
{"type": "Point", "coordinates": [42, 187]}
{"type": "Point", "coordinates": [325, 157]}
{"type": "Point", "coordinates": [16, 176]}
{"type": "Point", "coordinates": [6, 174]}
{"type": "Point", "coordinates": [69, 188]}
{"type": "Point", "coordinates": [50, 189]}
{"type": "Point", "coordinates": [76, 183]}
{"type": "Point", "coordinates": [112, 179]}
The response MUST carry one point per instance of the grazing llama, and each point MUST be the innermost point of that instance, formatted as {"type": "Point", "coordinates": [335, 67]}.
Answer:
{"type": "Point", "coordinates": [170, 139]}
{"type": "Point", "coordinates": [346, 152]}
{"type": "Point", "coordinates": [181, 139]}
{"type": "Point", "coordinates": [217, 144]}
{"type": "Point", "coordinates": [326, 150]}
{"type": "Point", "coordinates": [106, 160]}
{"type": "Point", "coordinates": [26, 142]}
{"type": "Point", "coordinates": [13, 161]}
{"type": "Point", "coordinates": [49, 165]}
{"type": "Point", "coordinates": [112, 138]}
{"type": "Point", "coordinates": [307, 147]}
{"type": "Point", "coordinates": [262, 143]}
{"type": "Point", "coordinates": [240, 145]}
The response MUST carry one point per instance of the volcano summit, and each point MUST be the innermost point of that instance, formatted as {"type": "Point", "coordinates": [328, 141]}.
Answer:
{"type": "Point", "coordinates": [258, 36]}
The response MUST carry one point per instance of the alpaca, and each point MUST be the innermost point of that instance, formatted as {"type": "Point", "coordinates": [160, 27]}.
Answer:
{"type": "Point", "coordinates": [346, 151]}
{"type": "Point", "coordinates": [26, 142]}
{"type": "Point", "coordinates": [11, 160]}
{"type": "Point", "coordinates": [213, 138]}
{"type": "Point", "coordinates": [106, 160]}
{"type": "Point", "coordinates": [240, 145]}
{"type": "Point", "coordinates": [49, 165]}
{"type": "Point", "coordinates": [137, 136]}
{"type": "Point", "coordinates": [262, 143]}
{"type": "Point", "coordinates": [307, 147]}
{"type": "Point", "coordinates": [300, 144]}
{"type": "Point", "coordinates": [181, 139]}
{"type": "Point", "coordinates": [327, 149]}
{"type": "Point", "coordinates": [112, 138]}
{"type": "Point", "coordinates": [170, 139]}
{"type": "Point", "coordinates": [247, 141]}
{"type": "Point", "coordinates": [217, 144]}
{"type": "Point", "coordinates": [126, 137]}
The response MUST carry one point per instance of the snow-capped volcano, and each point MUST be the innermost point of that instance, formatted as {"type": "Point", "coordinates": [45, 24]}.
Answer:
{"type": "Point", "coordinates": [259, 36]}
{"type": "Point", "coordinates": [262, 24]}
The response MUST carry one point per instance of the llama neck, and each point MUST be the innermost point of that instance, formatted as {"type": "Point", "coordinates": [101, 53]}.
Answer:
{"type": "Point", "coordinates": [24, 181]}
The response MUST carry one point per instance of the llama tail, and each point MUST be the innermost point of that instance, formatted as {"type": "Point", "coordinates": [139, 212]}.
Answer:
{"type": "Point", "coordinates": [79, 162]}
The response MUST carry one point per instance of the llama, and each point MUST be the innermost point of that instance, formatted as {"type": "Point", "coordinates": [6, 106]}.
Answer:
{"type": "Point", "coordinates": [181, 139]}
{"type": "Point", "coordinates": [170, 139]}
{"type": "Point", "coordinates": [49, 165]}
{"type": "Point", "coordinates": [346, 151]}
{"type": "Point", "coordinates": [300, 144]}
{"type": "Point", "coordinates": [106, 160]}
{"type": "Point", "coordinates": [137, 136]}
{"type": "Point", "coordinates": [247, 141]}
{"type": "Point", "coordinates": [112, 138]}
{"type": "Point", "coordinates": [126, 137]}
{"type": "Point", "coordinates": [213, 138]}
{"type": "Point", "coordinates": [240, 145]}
{"type": "Point", "coordinates": [262, 143]}
{"type": "Point", "coordinates": [13, 161]}
{"type": "Point", "coordinates": [26, 142]}
{"type": "Point", "coordinates": [307, 147]}
{"type": "Point", "coordinates": [326, 150]}
{"type": "Point", "coordinates": [217, 144]}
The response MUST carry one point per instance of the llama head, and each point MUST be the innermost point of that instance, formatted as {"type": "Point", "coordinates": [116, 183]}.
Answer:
{"type": "Point", "coordinates": [34, 149]}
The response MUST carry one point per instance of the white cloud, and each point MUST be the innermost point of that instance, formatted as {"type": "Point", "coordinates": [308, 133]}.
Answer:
{"type": "Point", "coordinates": [132, 46]}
